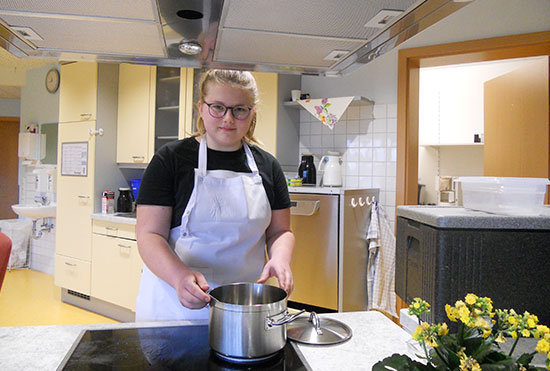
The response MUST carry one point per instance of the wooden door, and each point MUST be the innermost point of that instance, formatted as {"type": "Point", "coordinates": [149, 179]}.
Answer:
{"type": "Point", "coordinates": [9, 191]}
{"type": "Point", "coordinates": [517, 122]}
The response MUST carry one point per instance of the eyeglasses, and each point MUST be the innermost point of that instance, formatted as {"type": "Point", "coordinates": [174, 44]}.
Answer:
{"type": "Point", "coordinates": [218, 111]}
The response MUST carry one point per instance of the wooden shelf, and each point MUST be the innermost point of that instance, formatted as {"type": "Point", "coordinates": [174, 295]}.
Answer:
{"type": "Point", "coordinates": [356, 101]}
{"type": "Point", "coordinates": [452, 145]}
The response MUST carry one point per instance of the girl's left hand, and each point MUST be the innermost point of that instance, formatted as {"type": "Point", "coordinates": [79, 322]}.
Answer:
{"type": "Point", "coordinates": [281, 270]}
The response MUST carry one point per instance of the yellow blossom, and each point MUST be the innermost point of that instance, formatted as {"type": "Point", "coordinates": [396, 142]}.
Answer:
{"type": "Point", "coordinates": [500, 338]}
{"type": "Point", "coordinates": [450, 312]}
{"type": "Point", "coordinates": [514, 334]}
{"type": "Point", "coordinates": [531, 323]}
{"type": "Point", "coordinates": [459, 303]}
{"type": "Point", "coordinates": [471, 299]}
{"type": "Point", "coordinates": [416, 305]}
{"type": "Point", "coordinates": [544, 329]}
{"type": "Point", "coordinates": [486, 333]}
{"type": "Point", "coordinates": [525, 333]}
{"type": "Point", "coordinates": [543, 346]}
{"type": "Point", "coordinates": [512, 320]}
{"type": "Point", "coordinates": [443, 330]}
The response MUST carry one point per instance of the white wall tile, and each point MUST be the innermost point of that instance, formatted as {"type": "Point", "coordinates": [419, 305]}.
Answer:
{"type": "Point", "coordinates": [379, 126]}
{"type": "Point", "coordinates": [352, 181]}
{"type": "Point", "coordinates": [352, 127]}
{"type": "Point", "coordinates": [316, 128]}
{"type": "Point", "coordinates": [305, 141]}
{"type": "Point", "coordinates": [340, 127]}
{"type": "Point", "coordinates": [327, 141]}
{"type": "Point", "coordinates": [379, 182]}
{"type": "Point", "coordinates": [391, 125]}
{"type": "Point", "coordinates": [365, 140]}
{"type": "Point", "coordinates": [379, 140]}
{"type": "Point", "coordinates": [305, 116]}
{"type": "Point", "coordinates": [352, 168]}
{"type": "Point", "coordinates": [391, 169]}
{"type": "Point", "coordinates": [379, 169]}
{"type": "Point", "coordinates": [379, 111]}
{"type": "Point", "coordinates": [379, 154]}
{"type": "Point", "coordinates": [352, 140]}
{"type": "Point", "coordinates": [365, 169]}
{"type": "Point", "coordinates": [315, 141]}
{"type": "Point", "coordinates": [391, 140]}
{"type": "Point", "coordinates": [352, 154]}
{"type": "Point", "coordinates": [305, 128]}
{"type": "Point", "coordinates": [365, 182]}
{"type": "Point", "coordinates": [366, 111]}
{"type": "Point", "coordinates": [391, 111]}
{"type": "Point", "coordinates": [390, 198]}
{"type": "Point", "coordinates": [390, 183]}
{"type": "Point", "coordinates": [340, 140]}
{"type": "Point", "coordinates": [325, 130]}
{"type": "Point", "coordinates": [365, 154]}
{"type": "Point", "coordinates": [392, 154]}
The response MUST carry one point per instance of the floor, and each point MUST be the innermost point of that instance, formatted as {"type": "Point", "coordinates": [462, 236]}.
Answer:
{"type": "Point", "coordinates": [30, 298]}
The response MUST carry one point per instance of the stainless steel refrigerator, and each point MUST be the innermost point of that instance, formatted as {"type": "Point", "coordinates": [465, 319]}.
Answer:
{"type": "Point", "coordinates": [330, 257]}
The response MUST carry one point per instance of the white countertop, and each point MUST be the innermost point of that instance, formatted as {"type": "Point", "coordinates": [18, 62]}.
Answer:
{"type": "Point", "coordinates": [374, 338]}
{"type": "Point", "coordinates": [114, 218]}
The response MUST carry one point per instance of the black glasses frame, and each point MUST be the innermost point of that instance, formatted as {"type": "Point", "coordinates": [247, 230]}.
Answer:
{"type": "Point", "coordinates": [226, 109]}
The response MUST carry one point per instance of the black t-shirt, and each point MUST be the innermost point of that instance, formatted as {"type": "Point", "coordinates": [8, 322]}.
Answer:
{"type": "Point", "coordinates": [170, 176]}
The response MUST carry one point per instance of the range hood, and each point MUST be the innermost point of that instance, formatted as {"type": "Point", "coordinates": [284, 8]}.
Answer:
{"type": "Point", "coordinates": [314, 37]}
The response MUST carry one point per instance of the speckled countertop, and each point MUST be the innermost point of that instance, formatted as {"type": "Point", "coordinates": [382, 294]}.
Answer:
{"type": "Point", "coordinates": [374, 338]}
{"type": "Point", "coordinates": [459, 217]}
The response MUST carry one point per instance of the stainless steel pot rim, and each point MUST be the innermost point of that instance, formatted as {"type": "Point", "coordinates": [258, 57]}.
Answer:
{"type": "Point", "coordinates": [217, 302]}
{"type": "Point", "coordinates": [273, 307]}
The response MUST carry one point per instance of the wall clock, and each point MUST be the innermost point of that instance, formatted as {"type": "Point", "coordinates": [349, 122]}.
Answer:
{"type": "Point", "coordinates": [52, 80]}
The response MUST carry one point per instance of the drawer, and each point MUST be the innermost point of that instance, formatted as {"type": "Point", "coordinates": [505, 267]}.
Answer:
{"type": "Point", "coordinates": [112, 229]}
{"type": "Point", "coordinates": [73, 274]}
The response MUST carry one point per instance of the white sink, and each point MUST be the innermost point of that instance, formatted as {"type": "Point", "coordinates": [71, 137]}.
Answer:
{"type": "Point", "coordinates": [35, 211]}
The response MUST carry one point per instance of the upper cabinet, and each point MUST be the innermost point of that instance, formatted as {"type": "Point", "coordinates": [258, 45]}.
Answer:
{"type": "Point", "coordinates": [78, 92]}
{"type": "Point", "coordinates": [154, 108]}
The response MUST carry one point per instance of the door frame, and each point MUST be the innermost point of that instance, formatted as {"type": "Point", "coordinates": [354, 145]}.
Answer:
{"type": "Point", "coordinates": [408, 70]}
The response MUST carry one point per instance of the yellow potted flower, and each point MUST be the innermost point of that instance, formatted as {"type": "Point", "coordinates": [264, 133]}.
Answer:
{"type": "Point", "coordinates": [476, 344]}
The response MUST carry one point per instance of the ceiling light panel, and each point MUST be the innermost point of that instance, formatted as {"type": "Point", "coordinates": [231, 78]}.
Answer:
{"type": "Point", "coordinates": [135, 9]}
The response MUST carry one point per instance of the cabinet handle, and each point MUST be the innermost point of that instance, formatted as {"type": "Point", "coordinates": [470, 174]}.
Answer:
{"type": "Point", "coordinates": [138, 158]}
{"type": "Point", "coordinates": [111, 228]}
{"type": "Point", "coordinates": [124, 246]}
{"type": "Point", "coordinates": [85, 116]}
{"type": "Point", "coordinates": [70, 264]}
{"type": "Point", "coordinates": [81, 196]}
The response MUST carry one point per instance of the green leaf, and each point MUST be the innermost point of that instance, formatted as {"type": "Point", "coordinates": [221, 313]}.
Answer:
{"type": "Point", "coordinates": [504, 365]}
{"type": "Point", "coordinates": [401, 362]}
{"type": "Point", "coordinates": [526, 358]}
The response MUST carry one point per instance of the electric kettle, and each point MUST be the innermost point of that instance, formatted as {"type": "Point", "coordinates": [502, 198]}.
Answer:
{"type": "Point", "coordinates": [331, 167]}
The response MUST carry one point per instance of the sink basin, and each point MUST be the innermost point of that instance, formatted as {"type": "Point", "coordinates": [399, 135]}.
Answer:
{"type": "Point", "coordinates": [35, 211]}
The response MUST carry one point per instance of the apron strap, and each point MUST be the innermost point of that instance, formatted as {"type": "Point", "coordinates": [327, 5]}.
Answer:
{"type": "Point", "coordinates": [203, 157]}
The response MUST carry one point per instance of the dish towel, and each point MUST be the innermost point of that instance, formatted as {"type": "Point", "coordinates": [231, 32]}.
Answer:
{"type": "Point", "coordinates": [381, 262]}
{"type": "Point", "coordinates": [327, 110]}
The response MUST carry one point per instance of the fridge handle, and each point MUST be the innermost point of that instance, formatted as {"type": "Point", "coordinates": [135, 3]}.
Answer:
{"type": "Point", "coordinates": [304, 207]}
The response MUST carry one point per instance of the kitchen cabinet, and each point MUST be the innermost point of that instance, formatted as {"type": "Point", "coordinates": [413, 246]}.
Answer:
{"type": "Point", "coordinates": [154, 107]}
{"type": "Point", "coordinates": [86, 167]}
{"type": "Point", "coordinates": [116, 264]}
{"type": "Point", "coordinates": [78, 92]}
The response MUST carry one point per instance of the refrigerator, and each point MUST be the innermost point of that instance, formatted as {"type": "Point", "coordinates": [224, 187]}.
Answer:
{"type": "Point", "coordinates": [329, 262]}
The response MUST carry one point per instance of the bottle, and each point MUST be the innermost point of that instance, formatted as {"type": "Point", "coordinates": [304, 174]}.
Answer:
{"type": "Point", "coordinates": [108, 202]}
{"type": "Point", "coordinates": [307, 170]}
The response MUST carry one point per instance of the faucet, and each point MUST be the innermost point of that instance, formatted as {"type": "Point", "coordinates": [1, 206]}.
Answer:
{"type": "Point", "coordinates": [41, 199]}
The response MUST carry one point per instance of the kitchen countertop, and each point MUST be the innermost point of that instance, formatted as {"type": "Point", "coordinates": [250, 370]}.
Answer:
{"type": "Point", "coordinates": [374, 338]}
{"type": "Point", "coordinates": [325, 190]}
{"type": "Point", "coordinates": [460, 217]}
{"type": "Point", "coordinates": [124, 218]}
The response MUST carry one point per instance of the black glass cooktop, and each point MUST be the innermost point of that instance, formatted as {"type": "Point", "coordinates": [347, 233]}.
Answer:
{"type": "Point", "coordinates": [163, 348]}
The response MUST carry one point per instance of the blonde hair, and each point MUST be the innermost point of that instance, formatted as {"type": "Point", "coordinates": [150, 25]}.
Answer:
{"type": "Point", "coordinates": [237, 79]}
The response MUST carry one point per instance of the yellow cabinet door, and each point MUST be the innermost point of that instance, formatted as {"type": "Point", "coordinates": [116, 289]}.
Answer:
{"type": "Point", "coordinates": [116, 270]}
{"type": "Point", "coordinates": [75, 182]}
{"type": "Point", "coordinates": [72, 274]}
{"type": "Point", "coordinates": [186, 103]}
{"type": "Point", "coordinates": [136, 113]}
{"type": "Point", "coordinates": [266, 120]}
{"type": "Point", "coordinates": [78, 92]}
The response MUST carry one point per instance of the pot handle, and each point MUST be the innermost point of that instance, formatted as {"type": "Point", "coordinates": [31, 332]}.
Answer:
{"type": "Point", "coordinates": [287, 317]}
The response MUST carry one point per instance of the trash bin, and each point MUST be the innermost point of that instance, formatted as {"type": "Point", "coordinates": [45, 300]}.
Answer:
{"type": "Point", "coordinates": [19, 231]}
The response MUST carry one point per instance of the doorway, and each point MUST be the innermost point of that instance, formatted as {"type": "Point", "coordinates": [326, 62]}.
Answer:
{"type": "Point", "coordinates": [409, 63]}
{"type": "Point", "coordinates": [9, 164]}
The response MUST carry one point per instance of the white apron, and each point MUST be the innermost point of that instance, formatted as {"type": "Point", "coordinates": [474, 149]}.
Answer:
{"type": "Point", "coordinates": [222, 235]}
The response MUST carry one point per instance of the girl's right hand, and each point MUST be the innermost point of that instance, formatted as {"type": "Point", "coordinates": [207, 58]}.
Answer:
{"type": "Point", "coordinates": [191, 289]}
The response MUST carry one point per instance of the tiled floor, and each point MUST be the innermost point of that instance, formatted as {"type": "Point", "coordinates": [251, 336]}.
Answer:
{"type": "Point", "coordinates": [30, 298]}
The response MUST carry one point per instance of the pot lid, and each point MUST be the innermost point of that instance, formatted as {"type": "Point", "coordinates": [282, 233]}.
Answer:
{"type": "Point", "coordinates": [318, 331]}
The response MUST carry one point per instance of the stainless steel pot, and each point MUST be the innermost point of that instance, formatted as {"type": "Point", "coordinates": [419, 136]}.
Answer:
{"type": "Point", "coordinates": [248, 320]}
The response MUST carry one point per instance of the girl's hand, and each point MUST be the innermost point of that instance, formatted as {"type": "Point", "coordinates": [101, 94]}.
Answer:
{"type": "Point", "coordinates": [191, 288]}
{"type": "Point", "coordinates": [281, 270]}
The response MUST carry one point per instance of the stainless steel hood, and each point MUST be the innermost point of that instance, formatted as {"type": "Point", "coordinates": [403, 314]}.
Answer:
{"type": "Point", "coordinates": [318, 37]}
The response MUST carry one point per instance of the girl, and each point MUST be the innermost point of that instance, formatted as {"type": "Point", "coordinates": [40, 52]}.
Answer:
{"type": "Point", "coordinates": [208, 206]}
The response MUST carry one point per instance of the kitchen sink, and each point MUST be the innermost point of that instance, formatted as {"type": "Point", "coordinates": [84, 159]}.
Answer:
{"type": "Point", "coordinates": [35, 211]}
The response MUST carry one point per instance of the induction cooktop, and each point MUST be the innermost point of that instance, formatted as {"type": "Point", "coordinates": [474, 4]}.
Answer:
{"type": "Point", "coordinates": [164, 348]}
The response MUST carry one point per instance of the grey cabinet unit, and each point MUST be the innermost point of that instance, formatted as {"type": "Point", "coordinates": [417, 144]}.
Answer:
{"type": "Point", "coordinates": [443, 253]}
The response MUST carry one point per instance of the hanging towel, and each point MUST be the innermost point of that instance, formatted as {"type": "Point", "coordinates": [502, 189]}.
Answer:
{"type": "Point", "coordinates": [381, 262]}
{"type": "Point", "coordinates": [327, 110]}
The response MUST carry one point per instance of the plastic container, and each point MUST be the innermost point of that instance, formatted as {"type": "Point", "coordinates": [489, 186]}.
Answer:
{"type": "Point", "coordinates": [135, 183]}
{"type": "Point", "coordinates": [19, 231]}
{"type": "Point", "coordinates": [504, 195]}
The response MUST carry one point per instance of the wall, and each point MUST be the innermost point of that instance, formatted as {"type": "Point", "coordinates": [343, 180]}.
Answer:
{"type": "Point", "coordinates": [10, 107]}
{"type": "Point", "coordinates": [481, 19]}
{"type": "Point", "coordinates": [38, 107]}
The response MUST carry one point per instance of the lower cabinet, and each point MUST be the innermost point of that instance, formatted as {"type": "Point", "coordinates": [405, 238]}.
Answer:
{"type": "Point", "coordinates": [116, 265]}
{"type": "Point", "coordinates": [72, 273]}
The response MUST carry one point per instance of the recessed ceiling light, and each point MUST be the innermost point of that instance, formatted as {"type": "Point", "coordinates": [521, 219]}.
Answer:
{"type": "Point", "coordinates": [189, 14]}
{"type": "Point", "coordinates": [27, 32]}
{"type": "Point", "coordinates": [336, 55]}
{"type": "Point", "coordinates": [190, 47]}
{"type": "Point", "coordinates": [383, 18]}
